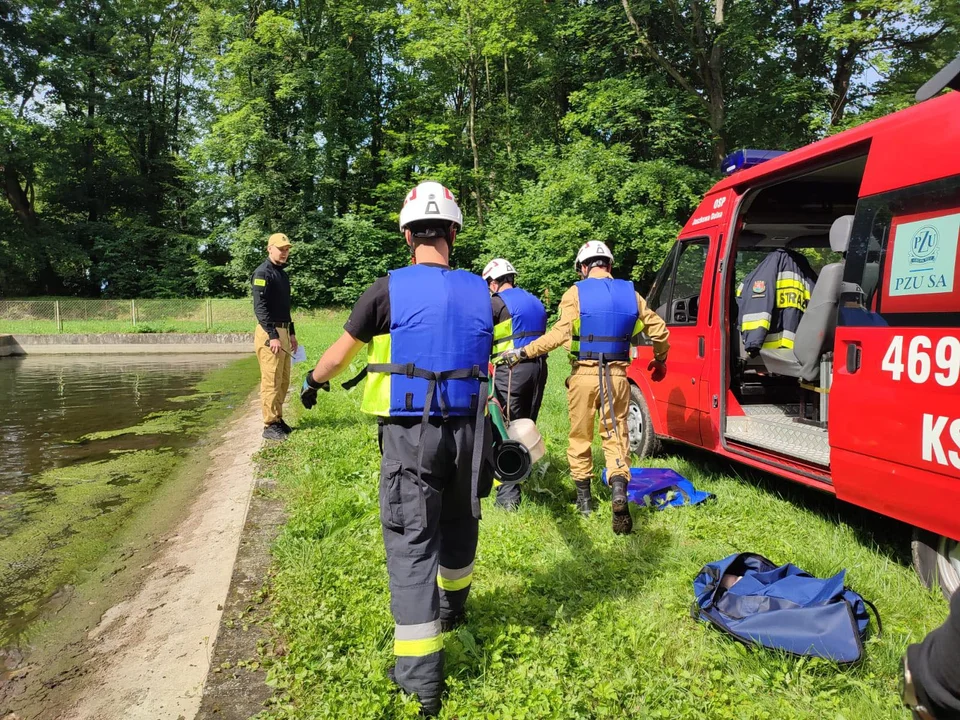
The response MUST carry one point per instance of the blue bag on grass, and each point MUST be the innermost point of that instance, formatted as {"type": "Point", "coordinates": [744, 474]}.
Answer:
{"type": "Point", "coordinates": [782, 607]}
{"type": "Point", "coordinates": [660, 488]}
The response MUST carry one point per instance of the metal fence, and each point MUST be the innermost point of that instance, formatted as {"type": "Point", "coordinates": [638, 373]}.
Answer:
{"type": "Point", "coordinates": [160, 315]}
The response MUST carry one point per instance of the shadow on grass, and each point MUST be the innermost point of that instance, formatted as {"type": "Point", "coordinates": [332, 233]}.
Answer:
{"type": "Point", "coordinates": [887, 536]}
{"type": "Point", "coordinates": [567, 591]}
{"type": "Point", "coordinates": [557, 597]}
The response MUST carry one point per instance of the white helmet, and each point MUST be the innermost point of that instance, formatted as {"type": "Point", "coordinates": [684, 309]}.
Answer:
{"type": "Point", "coordinates": [430, 201]}
{"type": "Point", "coordinates": [593, 249]}
{"type": "Point", "coordinates": [497, 268]}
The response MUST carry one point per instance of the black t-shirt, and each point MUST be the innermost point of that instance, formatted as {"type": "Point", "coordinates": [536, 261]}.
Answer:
{"type": "Point", "coordinates": [371, 315]}
{"type": "Point", "coordinates": [500, 312]}
{"type": "Point", "coordinates": [271, 297]}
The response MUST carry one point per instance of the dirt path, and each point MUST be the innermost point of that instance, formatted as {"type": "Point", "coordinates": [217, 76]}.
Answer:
{"type": "Point", "coordinates": [149, 655]}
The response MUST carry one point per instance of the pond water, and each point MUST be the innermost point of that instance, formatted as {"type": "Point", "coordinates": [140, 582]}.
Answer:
{"type": "Point", "coordinates": [57, 506]}
{"type": "Point", "coordinates": [48, 402]}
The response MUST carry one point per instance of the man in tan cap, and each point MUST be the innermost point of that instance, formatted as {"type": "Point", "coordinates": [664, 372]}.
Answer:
{"type": "Point", "coordinates": [275, 339]}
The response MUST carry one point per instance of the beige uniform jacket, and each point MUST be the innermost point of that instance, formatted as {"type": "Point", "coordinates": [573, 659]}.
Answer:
{"type": "Point", "coordinates": [654, 326]}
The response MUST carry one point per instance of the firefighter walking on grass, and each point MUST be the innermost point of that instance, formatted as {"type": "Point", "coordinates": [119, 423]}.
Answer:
{"type": "Point", "coordinates": [518, 318]}
{"type": "Point", "coordinates": [429, 335]}
{"type": "Point", "coordinates": [600, 317]}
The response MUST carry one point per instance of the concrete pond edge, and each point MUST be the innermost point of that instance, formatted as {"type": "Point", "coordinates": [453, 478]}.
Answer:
{"type": "Point", "coordinates": [235, 687]}
{"type": "Point", "coordinates": [125, 344]}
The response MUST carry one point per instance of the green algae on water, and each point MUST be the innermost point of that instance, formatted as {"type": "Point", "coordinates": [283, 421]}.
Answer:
{"type": "Point", "coordinates": [58, 533]}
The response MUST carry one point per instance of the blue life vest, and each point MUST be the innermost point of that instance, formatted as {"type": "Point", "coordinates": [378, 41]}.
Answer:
{"type": "Point", "coordinates": [527, 321]}
{"type": "Point", "coordinates": [609, 318]}
{"type": "Point", "coordinates": [441, 333]}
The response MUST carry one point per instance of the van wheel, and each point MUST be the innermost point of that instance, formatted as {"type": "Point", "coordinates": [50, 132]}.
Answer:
{"type": "Point", "coordinates": [643, 441]}
{"type": "Point", "coordinates": [936, 559]}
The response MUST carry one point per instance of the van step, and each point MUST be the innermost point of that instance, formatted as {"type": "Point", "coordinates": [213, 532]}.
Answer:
{"type": "Point", "coordinates": [781, 434]}
{"type": "Point", "coordinates": [789, 410]}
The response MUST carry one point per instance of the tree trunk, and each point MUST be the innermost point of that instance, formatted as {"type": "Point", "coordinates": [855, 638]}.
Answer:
{"type": "Point", "coordinates": [839, 97]}
{"type": "Point", "coordinates": [506, 102]}
{"type": "Point", "coordinates": [20, 198]}
{"type": "Point", "coordinates": [471, 120]}
{"type": "Point", "coordinates": [473, 139]}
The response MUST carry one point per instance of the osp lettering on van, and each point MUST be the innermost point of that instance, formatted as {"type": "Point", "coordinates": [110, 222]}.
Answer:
{"type": "Point", "coordinates": [934, 429]}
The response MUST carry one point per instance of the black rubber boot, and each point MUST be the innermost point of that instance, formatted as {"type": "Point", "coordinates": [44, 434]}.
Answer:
{"type": "Point", "coordinates": [448, 624]}
{"type": "Point", "coordinates": [622, 522]}
{"type": "Point", "coordinates": [274, 432]}
{"type": "Point", "coordinates": [584, 498]}
{"type": "Point", "coordinates": [430, 708]}
{"type": "Point", "coordinates": [283, 426]}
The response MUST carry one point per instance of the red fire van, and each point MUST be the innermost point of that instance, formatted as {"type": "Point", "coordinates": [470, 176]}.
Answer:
{"type": "Point", "coordinates": [862, 398]}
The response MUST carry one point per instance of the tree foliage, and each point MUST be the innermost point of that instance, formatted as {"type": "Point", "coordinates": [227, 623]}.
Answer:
{"type": "Point", "coordinates": [148, 147]}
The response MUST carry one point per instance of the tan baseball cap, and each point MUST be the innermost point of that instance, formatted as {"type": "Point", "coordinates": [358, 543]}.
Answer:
{"type": "Point", "coordinates": [278, 240]}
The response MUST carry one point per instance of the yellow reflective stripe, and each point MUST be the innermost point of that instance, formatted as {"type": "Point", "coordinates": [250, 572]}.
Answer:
{"type": "Point", "coordinates": [754, 324]}
{"type": "Point", "coordinates": [259, 281]}
{"type": "Point", "coordinates": [575, 332]}
{"type": "Point", "coordinates": [638, 328]}
{"type": "Point", "coordinates": [778, 342]}
{"type": "Point", "coordinates": [418, 648]}
{"type": "Point", "coordinates": [376, 391]}
{"type": "Point", "coordinates": [451, 579]}
{"type": "Point", "coordinates": [454, 585]}
{"type": "Point", "coordinates": [502, 330]}
{"type": "Point", "coordinates": [791, 283]}
{"type": "Point", "coordinates": [793, 298]}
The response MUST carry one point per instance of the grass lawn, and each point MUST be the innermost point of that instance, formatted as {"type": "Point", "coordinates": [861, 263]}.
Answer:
{"type": "Point", "coordinates": [565, 619]}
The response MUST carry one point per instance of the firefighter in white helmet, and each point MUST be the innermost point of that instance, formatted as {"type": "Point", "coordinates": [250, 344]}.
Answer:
{"type": "Point", "coordinates": [600, 317]}
{"type": "Point", "coordinates": [518, 318]}
{"type": "Point", "coordinates": [429, 335]}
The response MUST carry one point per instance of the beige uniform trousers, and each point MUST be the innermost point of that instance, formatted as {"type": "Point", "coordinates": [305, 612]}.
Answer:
{"type": "Point", "coordinates": [583, 400]}
{"type": "Point", "coordinates": [274, 373]}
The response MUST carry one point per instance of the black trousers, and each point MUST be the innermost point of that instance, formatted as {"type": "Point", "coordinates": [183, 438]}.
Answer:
{"type": "Point", "coordinates": [430, 537]}
{"type": "Point", "coordinates": [525, 397]}
{"type": "Point", "coordinates": [935, 665]}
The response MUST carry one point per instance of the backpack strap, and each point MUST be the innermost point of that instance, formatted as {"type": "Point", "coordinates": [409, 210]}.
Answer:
{"type": "Point", "coordinates": [875, 612]}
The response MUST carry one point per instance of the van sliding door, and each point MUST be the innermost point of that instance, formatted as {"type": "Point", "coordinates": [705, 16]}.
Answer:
{"type": "Point", "coordinates": [894, 421]}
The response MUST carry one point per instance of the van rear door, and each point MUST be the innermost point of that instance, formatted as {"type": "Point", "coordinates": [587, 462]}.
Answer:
{"type": "Point", "coordinates": [894, 419]}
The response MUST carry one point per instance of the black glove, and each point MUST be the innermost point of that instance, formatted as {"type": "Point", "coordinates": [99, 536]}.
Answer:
{"type": "Point", "coordinates": [658, 370]}
{"type": "Point", "coordinates": [510, 357]}
{"type": "Point", "coordinates": [308, 393]}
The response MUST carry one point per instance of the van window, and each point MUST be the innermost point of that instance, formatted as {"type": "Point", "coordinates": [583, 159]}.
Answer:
{"type": "Point", "coordinates": [675, 293]}
{"type": "Point", "coordinates": [685, 297]}
{"type": "Point", "coordinates": [658, 295]}
{"type": "Point", "coordinates": [902, 265]}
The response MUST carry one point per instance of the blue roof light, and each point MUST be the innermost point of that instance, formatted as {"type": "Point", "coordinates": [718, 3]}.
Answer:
{"type": "Point", "coordinates": [746, 158]}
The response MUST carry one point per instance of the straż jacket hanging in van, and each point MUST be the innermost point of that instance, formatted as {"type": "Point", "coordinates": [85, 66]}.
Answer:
{"type": "Point", "coordinates": [773, 298]}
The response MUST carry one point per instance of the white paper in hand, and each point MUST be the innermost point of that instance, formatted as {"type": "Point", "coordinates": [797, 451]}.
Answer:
{"type": "Point", "coordinates": [300, 355]}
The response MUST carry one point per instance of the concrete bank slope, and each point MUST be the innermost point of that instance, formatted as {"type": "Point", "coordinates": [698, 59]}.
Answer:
{"type": "Point", "coordinates": [126, 344]}
{"type": "Point", "coordinates": [150, 654]}
{"type": "Point", "coordinates": [235, 687]}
